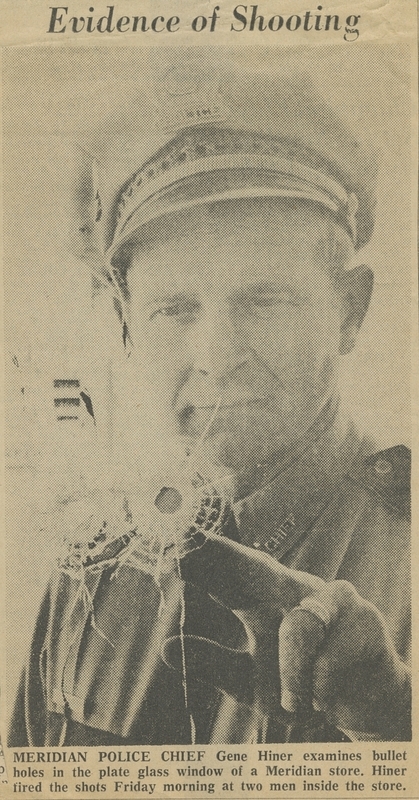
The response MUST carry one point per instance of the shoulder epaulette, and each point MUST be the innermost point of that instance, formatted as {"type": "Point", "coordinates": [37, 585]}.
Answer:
{"type": "Point", "coordinates": [387, 476]}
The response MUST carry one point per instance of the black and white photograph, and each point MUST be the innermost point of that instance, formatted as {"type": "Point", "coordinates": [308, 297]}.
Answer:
{"type": "Point", "coordinates": [208, 289]}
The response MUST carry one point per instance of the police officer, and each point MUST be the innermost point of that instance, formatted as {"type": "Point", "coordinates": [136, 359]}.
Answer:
{"type": "Point", "coordinates": [232, 255]}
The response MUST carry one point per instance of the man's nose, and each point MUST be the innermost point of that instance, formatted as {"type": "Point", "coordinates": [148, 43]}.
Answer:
{"type": "Point", "coordinates": [218, 347]}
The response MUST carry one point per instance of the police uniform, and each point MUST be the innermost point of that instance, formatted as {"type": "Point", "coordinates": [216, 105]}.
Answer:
{"type": "Point", "coordinates": [335, 507]}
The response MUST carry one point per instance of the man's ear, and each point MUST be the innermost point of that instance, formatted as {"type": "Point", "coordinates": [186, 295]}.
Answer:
{"type": "Point", "coordinates": [355, 289]}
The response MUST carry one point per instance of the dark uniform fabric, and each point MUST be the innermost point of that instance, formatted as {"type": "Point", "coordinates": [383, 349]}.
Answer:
{"type": "Point", "coordinates": [95, 674]}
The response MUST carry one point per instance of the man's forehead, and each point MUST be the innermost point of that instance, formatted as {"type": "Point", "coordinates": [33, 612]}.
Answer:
{"type": "Point", "coordinates": [274, 221]}
{"type": "Point", "coordinates": [230, 244]}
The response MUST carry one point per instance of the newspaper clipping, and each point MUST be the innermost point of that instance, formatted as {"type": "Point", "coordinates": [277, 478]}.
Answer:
{"type": "Point", "coordinates": [210, 351]}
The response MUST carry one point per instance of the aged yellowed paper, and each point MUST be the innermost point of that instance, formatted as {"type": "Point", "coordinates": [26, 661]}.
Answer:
{"type": "Point", "coordinates": [210, 400]}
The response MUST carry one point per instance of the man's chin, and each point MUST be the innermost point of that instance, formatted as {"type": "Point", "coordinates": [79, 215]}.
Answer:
{"type": "Point", "coordinates": [207, 455]}
{"type": "Point", "coordinates": [221, 454]}
{"type": "Point", "coordinates": [235, 441]}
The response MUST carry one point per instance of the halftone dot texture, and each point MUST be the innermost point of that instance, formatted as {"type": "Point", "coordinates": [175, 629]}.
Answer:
{"type": "Point", "coordinates": [107, 682]}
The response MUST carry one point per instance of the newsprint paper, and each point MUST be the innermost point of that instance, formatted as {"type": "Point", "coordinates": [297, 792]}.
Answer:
{"type": "Point", "coordinates": [210, 400]}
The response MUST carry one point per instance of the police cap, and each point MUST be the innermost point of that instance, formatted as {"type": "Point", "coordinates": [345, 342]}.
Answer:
{"type": "Point", "coordinates": [230, 136]}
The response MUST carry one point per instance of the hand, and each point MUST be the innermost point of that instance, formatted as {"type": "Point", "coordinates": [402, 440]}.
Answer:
{"type": "Point", "coordinates": [334, 655]}
{"type": "Point", "coordinates": [347, 668]}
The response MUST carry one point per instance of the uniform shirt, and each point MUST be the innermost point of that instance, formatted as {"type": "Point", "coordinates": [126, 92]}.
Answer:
{"type": "Point", "coordinates": [95, 675]}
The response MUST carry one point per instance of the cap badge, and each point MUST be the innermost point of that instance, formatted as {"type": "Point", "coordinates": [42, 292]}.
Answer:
{"type": "Point", "coordinates": [189, 97]}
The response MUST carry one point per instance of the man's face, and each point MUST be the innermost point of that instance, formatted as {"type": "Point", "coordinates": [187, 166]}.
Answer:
{"type": "Point", "coordinates": [235, 328]}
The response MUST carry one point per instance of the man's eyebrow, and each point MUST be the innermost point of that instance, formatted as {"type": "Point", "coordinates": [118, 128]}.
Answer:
{"type": "Point", "coordinates": [173, 297]}
{"type": "Point", "coordinates": [265, 287]}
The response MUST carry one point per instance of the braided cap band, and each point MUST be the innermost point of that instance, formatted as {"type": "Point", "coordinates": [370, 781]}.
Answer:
{"type": "Point", "coordinates": [206, 165]}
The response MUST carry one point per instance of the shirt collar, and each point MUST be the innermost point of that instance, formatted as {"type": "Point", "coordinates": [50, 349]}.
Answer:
{"type": "Point", "coordinates": [298, 488]}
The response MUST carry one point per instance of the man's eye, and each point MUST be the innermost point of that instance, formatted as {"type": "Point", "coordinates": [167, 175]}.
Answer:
{"type": "Point", "coordinates": [165, 311]}
{"type": "Point", "coordinates": [264, 301]}
{"type": "Point", "coordinates": [182, 312]}
{"type": "Point", "coordinates": [271, 300]}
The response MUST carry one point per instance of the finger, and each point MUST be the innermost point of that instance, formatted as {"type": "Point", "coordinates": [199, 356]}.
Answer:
{"type": "Point", "coordinates": [301, 636]}
{"type": "Point", "coordinates": [242, 578]}
{"type": "Point", "coordinates": [320, 643]}
{"type": "Point", "coordinates": [227, 669]}
{"type": "Point", "coordinates": [358, 637]}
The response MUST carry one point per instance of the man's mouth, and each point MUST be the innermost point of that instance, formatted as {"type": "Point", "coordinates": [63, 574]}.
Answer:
{"type": "Point", "coordinates": [189, 409]}
{"type": "Point", "coordinates": [235, 404]}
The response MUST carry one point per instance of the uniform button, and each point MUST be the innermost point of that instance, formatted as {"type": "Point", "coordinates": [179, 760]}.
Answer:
{"type": "Point", "coordinates": [382, 466]}
{"type": "Point", "coordinates": [256, 544]}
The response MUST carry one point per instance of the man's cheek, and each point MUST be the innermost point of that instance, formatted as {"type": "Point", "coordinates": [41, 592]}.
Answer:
{"type": "Point", "coordinates": [283, 344]}
{"type": "Point", "coordinates": [289, 357]}
{"type": "Point", "coordinates": [306, 355]}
